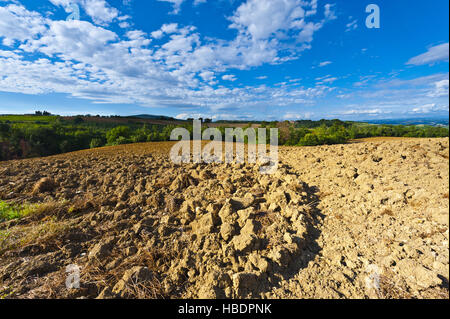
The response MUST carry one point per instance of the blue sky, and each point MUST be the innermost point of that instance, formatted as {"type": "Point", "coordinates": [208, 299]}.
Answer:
{"type": "Point", "coordinates": [225, 59]}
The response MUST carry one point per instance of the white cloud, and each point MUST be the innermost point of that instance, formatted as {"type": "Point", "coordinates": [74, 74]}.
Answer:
{"type": "Point", "coordinates": [19, 24]}
{"type": "Point", "coordinates": [326, 79]}
{"type": "Point", "coordinates": [422, 95]}
{"type": "Point", "coordinates": [324, 63]}
{"type": "Point", "coordinates": [99, 10]}
{"type": "Point", "coordinates": [176, 5]}
{"type": "Point", "coordinates": [329, 12]}
{"type": "Point", "coordinates": [8, 54]}
{"type": "Point", "coordinates": [124, 25]}
{"type": "Point", "coordinates": [136, 35]}
{"type": "Point", "coordinates": [365, 111]}
{"type": "Point", "coordinates": [183, 69]}
{"type": "Point", "coordinates": [434, 54]}
{"type": "Point", "coordinates": [353, 25]}
{"type": "Point", "coordinates": [298, 115]}
{"type": "Point", "coordinates": [264, 19]}
{"type": "Point", "coordinates": [430, 108]}
{"type": "Point", "coordinates": [62, 39]}
{"type": "Point", "coordinates": [165, 29]}
{"type": "Point", "coordinates": [440, 89]}
{"type": "Point", "coordinates": [207, 76]}
{"type": "Point", "coordinates": [229, 77]}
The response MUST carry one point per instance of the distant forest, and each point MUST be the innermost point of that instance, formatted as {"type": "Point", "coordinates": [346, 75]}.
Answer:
{"type": "Point", "coordinates": [43, 134]}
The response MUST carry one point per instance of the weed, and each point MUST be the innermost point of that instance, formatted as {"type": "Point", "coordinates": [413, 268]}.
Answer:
{"type": "Point", "coordinates": [4, 238]}
{"type": "Point", "coordinates": [40, 234]}
{"type": "Point", "coordinates": [9, 212]}
{"type": "Point", "coordinates": [36, 211]}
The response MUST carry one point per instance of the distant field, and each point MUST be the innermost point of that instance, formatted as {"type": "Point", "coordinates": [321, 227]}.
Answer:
{"type": "Point", "coordinates": [27, 118]}
{"type": "Point", "coordinates": [110, 120]}
{"type": "Point", "coordinates": [381, 139]}
{"type": "Point", "coordinates": [123, 120]}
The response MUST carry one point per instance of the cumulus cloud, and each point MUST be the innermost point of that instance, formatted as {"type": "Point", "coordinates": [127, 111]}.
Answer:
{"type": "Point", "coordinates": [105, 68]}
{"type": "Point", "coordinates": [264, 19]}
{"type": "Point", "coordinates": [99, 10]}
{"type": "Point", "coordinates": [229, 77]}
{"type": "Point", "coordinates": [207, 76]}
{"type": "Point", "coordinates": [19, 24]}
{"type": "Point", "coordinates": [63, 39]}
{"type": "Point", "coordinates": [175, 66]}
{"type": "Point", "coordinates": [165, 29]}
{"type": "Point", "coordinates": [433, 55]}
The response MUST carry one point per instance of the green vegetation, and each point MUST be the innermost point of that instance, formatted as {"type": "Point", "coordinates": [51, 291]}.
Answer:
{"type": "Point", "coordinates": [9, 212]}
{"type": "Point", "coordinates": [310, 133]}
{"type": "Point", "coordinates": [35, 136]}
{"type": "Point", "coordinates": [23, 136]}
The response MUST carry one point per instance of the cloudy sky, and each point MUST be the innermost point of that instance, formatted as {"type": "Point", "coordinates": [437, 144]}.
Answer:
{"type": "Point", "coordinates": [225, 59]}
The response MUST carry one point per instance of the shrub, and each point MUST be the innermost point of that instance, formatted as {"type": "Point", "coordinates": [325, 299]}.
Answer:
{"type": "Point", "coordinates": [4, 130]}
{"type": "Point", "coordinates": [122, 140]}
{"type": "Point", "coordinates": [96, 142]}
{"type": "Point", "coordinates": [113, 135]}
{"type": "Point", "coordinates": [78, 120]}
{"type": "Point", "coordinates": [309, 139]}
{"type": "Point", "coordinates": [140, 137]}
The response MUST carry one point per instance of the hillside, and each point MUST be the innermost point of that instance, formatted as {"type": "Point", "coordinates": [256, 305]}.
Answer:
{"type": "Point", "coordinates": [137, 225]}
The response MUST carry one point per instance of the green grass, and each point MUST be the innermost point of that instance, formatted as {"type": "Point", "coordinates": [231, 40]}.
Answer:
{"type": "Point", "coordinates": [27, 118]}
{"type": "Point", "coordinates": [9, 212]}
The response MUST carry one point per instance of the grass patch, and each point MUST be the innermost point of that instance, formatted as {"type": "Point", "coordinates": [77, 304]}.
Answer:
{"type": "Point", "coordinates": [5, 236]}
{"type": "Point", "coordinates": [41, 224]}
{"type": "Point", "coordinates": [36, 211]}
{"type": "Point", "coordinates": [42, 234]}
{"type": "Point", "coordinates": [11, 211]}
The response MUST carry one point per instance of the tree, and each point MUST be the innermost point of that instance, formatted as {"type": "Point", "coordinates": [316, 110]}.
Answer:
{"type": "Point", "coordinates": [309, 139]}
{"type": "Point", "coordinates": [120, 131]}
{"type": "Point", "coordinates": [78, 120]}
{"type": "Point", "coordinates": [96, 142]}
{"type": "Point", "coordinates": [4, 130]}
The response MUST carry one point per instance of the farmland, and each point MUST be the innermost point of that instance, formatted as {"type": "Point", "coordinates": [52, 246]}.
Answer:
{"type": "Point", "coordinates": [25, 136]}
{"type": "Point", "coordinates": [140, 226]}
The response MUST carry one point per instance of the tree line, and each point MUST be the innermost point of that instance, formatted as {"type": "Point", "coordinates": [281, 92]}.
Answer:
{"type": "Point", "coordinates": [36, 139]}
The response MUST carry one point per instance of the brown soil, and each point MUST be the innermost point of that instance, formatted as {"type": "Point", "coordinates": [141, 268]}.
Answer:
{"type": "Point", "coordinates": [363, 220]}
